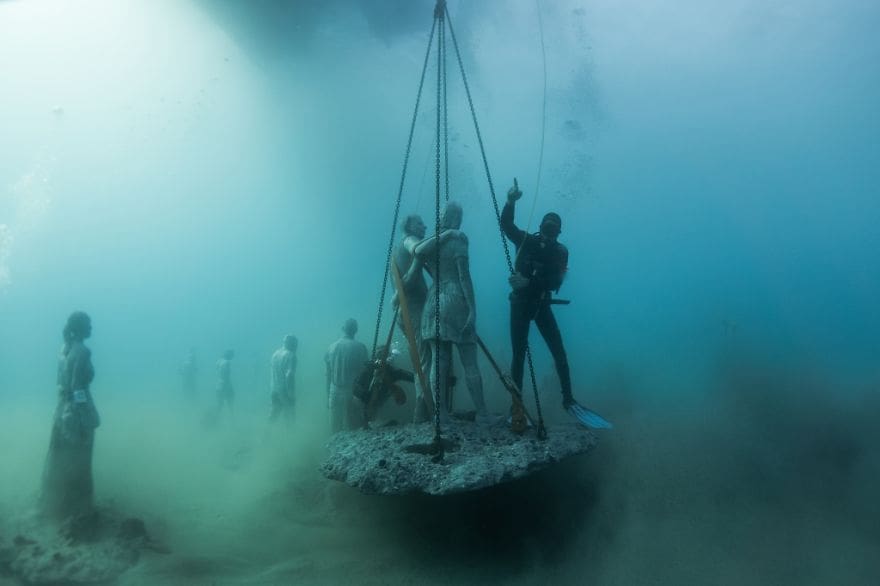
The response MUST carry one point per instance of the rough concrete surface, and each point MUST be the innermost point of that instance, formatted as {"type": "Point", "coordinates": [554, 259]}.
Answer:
{"type": "Point", "coordinates": [378, 461]}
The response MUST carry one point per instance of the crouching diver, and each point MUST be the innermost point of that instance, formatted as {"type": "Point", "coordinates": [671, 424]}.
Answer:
{"type": "Point", "coordinates": [541, 263]}
{"type": "Point", "coordinates": [378, 381]}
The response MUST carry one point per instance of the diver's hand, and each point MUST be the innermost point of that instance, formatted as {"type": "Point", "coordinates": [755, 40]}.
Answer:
{"type": "Point", "coordinates": [517, 281]}
{"type": "Point", "coordinates": [514, 193]}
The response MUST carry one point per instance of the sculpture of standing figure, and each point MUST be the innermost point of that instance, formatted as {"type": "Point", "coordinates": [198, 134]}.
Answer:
{"type": "Point", "coordinates": [416, 294]}
{"type": "Point", "coordinates": [282, 378]}
{"type": "Point", "coordinates": [457, 308]}
{"type": "Point", "coordinates": [67, 478]}
{"type": "Point", "coordinates": [189, 371]}
{"type": "Point", "coordinates": [413, 281]}
{"type": "Point", "coordinates": [344, 361]}
{"type": "Point", "coordinates": [225, 392]}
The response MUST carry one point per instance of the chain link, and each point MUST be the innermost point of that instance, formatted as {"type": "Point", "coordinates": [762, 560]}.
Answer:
{"type": "Point", "coordinates": [412, 128]}
{"type": "Point", "coordinates": [467, 91]}
{"type": "Point", "coordinates": [437, 404]}
{"type": "Point", "coordinates": [541, 429]}
{"type": "Point", "coordinates": [445, 114]}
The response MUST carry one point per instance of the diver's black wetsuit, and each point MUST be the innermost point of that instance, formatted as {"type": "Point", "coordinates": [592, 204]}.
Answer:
{"type": "Point", "coordinates": [544, 262]}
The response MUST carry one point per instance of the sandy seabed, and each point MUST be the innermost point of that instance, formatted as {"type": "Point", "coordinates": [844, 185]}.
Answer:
{"type": "Point", "coordinates": [243, 502]}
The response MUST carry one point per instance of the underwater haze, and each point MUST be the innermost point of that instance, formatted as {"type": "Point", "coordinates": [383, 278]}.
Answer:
{"type": "Point", "coordinates": [215, 174]}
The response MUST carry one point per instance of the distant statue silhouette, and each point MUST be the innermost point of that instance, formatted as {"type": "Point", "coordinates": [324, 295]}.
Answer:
{"type": "Point", "coordinates": [67, 478]}
{"type": "Point", "coordinates": [225, 392]}
{"type": "Point", "coordinates": [282, 378]}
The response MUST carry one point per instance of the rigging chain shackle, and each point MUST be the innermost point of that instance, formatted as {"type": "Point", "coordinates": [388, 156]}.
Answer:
{"type": "Point", "coordinates": [542, 431]}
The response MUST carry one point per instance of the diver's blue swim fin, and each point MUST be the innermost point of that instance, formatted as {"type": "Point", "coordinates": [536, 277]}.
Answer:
{"type": "Point", "coordinates": [588, 417]}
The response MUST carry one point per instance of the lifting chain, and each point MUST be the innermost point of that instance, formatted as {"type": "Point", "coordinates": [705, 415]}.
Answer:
{"type": "Point", "coordinates": [542, 431]}
{"type": "Point", "coordinates": [441, 16]}
{"type": "Point", "coordinates": [439, 13]}
{"type": "Point", "coordinates": [412, 128]}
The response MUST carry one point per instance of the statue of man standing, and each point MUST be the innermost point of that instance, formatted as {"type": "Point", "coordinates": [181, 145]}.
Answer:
{"type": "Point", "coordinates": [344, 361]}
{"type": "Point", "coordinates": [282, 378]}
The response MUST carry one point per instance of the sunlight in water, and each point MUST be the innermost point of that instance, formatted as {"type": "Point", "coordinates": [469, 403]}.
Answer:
{"type": "Point", "coordinates": [31, 199]}
{"type": "Point", "coordinates": [5, 249]}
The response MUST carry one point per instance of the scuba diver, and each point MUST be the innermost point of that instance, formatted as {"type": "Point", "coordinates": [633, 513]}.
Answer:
{"type": "Point", "coordinates": [540, 267]}
{"type": "Point", "coordinates": [378, 381]}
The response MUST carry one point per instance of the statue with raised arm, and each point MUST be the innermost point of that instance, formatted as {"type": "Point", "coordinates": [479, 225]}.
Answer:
{"type": "Point", "coordinates": [458, 312]}
{"type": "Point", "coordinates": [415, 292]}
{"type": "Point", "coordinates": [415, 288]}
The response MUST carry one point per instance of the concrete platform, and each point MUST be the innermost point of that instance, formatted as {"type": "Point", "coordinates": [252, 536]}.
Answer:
{"type": "Point", "coordinates": [381, 461]}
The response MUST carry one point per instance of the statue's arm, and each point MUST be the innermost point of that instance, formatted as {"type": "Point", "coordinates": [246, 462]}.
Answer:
{"type": "Point", "coordinates": [427, 246]}
{"type": "Point", "coordinates": [410, 243]}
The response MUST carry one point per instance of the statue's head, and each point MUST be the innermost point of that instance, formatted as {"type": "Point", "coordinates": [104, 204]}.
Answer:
{"type": "Point", "coordinates": [350, 327]}
{"type": "Point", "coordinates": [229, 355]}
{"type": "Point", "coordinates": [78, 327]}
{"type": "Point", "coordinates": [290, 342]}
{"type": "Point", "coordinates": [413, 225]}
{"type": "Point", "coordinates": [452, 215]}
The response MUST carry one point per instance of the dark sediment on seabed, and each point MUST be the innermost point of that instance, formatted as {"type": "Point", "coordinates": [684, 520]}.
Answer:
{"type": "Point", "coordinates": [383, 461]}
{"type": "Point", "coordinates": [95, 548]}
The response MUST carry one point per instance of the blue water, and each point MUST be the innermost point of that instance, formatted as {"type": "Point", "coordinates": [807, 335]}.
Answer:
{"type": "Point", "coordinates": [216, 174]}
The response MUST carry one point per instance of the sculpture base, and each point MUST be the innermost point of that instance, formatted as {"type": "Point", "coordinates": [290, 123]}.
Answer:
{"type": "Point", "coordinates": [403, 460]}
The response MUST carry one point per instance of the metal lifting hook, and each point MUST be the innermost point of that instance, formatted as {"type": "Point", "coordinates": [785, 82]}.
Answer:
{"type": "Point", "coordinates": [440, 9]}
